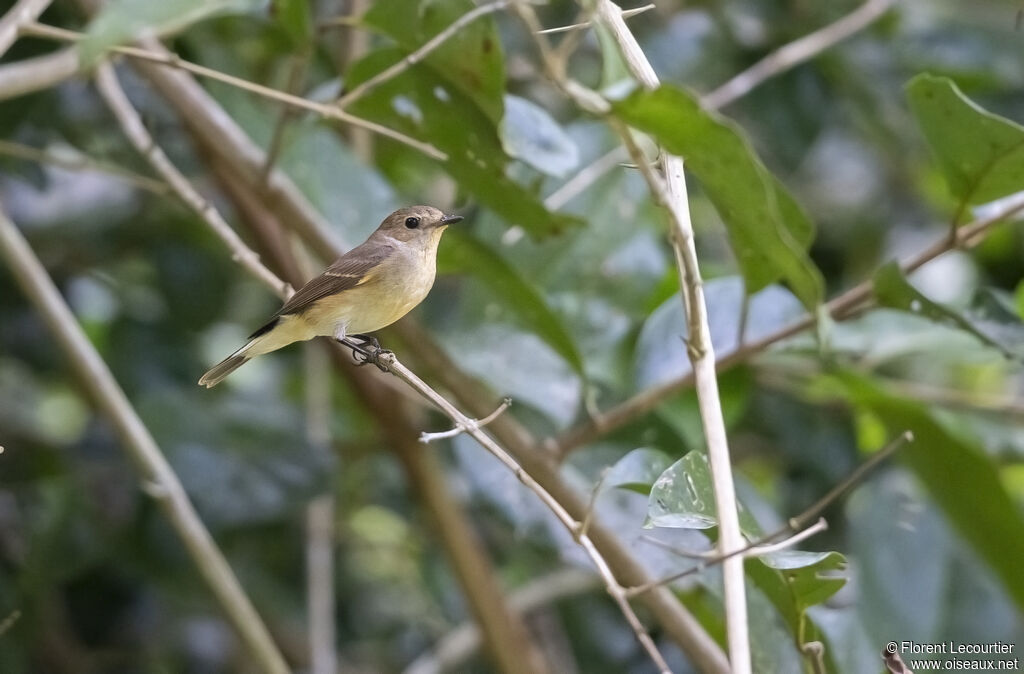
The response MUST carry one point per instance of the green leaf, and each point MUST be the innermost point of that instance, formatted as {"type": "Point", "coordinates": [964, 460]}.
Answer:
{"type": "Point", "coordinates": [980, 154]}
{"type": "Point", "coordinates": [638, 470]}
{"type": "Point", "coordinates": [471, 59]}
{"type": "Point", "coordinates": [893, 290]}
{"type": "Point", "coordinates": [462, 252]}
{"type": "Point", "coordinates": [529, 134]}
{"type": "Point", "coordinates": [683, 497]}
{"type": "Point", "coordinates": [121, 21]}
{"type": "Point", "coordinates": [770, 233]}
{"type": "Point", "coordinates": [811, 576]}
{"type": "Point", "coordinates": [296, 18]}
{"type": "Point", "coordinates": [422, 104]}
{"type": "Point", "coordinates": [960, 478]}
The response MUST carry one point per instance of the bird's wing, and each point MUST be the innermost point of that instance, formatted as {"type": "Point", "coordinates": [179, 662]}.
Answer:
{"type": "Point", "coordinates": [350, 270]}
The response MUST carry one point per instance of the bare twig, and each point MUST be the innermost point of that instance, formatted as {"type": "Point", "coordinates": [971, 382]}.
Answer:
{"type": "Point", "coordinates": [838, 308]}
{"type": "Point", "coordinates": [296, 76]}
{"type": "Point", "coordinates": [140, 445]}
{"type": "Point", "coordinates": [796, 52]}
{"type": "Point", "coordinates": [816, 528]}
{"type": "Point", "coordinates": [83, 163]}
{"type": "Point", "coordinates": [671, 193]}
{"type": "Point", "coordinates": [611, 584]}
{"type": "Point", "coordinates": [172, 60]}
{"type": "Point", "coordinates": [426, 438]}
{"type": "Point", "coordinates": [131, 123]}
{"type": "Point", "coordinates": [421, 53]}
{"type": "Point", "coordinates": [11, 23]}
{"type": "Point", "coordinates": [585, 178]}
{"type": "Point", "coordinates": [626, 14]}
{"type": "Point", "coordinates": [37, 73]}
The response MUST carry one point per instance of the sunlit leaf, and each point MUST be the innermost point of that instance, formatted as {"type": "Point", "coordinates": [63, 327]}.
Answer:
{"type": "Point", "coordinates": [959, 477]}
{"type": "Point", "coordinates": [981, 154]}
{"type": "Point", "coordinates": [529, 134]}
{"type": "Point", "coordinates": [769, 231]}
{"type": "Point", "coordinates": [463, 252]}
{"type": "Point", "coordinates": [471, 59]}
{"type": "Point", "coordinates": [893, 290]}
{"type": "Point", "coordinates": [424, 105]}
{"type": "Point", "coordinates": [120, 21]}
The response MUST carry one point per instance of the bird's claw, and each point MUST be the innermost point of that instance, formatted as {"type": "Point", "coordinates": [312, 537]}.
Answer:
{"type": "Point", "coordinates": [372, 358]}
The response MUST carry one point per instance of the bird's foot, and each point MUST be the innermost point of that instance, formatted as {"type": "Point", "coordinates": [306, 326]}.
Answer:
{"type": "Point", "coordinates": [367, 351]}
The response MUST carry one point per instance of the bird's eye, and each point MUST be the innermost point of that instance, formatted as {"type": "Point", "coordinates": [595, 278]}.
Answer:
{"type": "Point", "coordinates": [412, 223]}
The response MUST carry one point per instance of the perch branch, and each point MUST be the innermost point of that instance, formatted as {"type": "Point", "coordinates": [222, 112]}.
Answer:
{"type": "Point", "coordinates": [459, 419]}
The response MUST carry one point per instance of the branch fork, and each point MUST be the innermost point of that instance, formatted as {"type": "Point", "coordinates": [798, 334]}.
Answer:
{"type": "Point", "coordinates": [468, 427]}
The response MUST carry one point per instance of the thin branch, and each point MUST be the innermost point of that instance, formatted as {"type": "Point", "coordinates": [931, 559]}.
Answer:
{"type": "Point", "coordinates": [22, 14]}
{"type": "Point", "coordinates": [37, 73]}
{"type": "Point", "coordinates": [174, 61]}
{"type": "Point", "coordinates": [611, 584]}
{"type": "Point", "coordinates": [585, 178]}
{"type": "Point", "coordinates": [296, 77]}
{"type": "Point", "coordinates": [671, 193]}
{"type": "Point", "coordinates": [135, 130]}
{"type": "Point", "coordinates": [421, 53]}
{"type": "Point", "coordinates": [838, 308]}
{"type": "Point", "coordinates": [814, 529]}
{"type": "Point", "coordinates": [83, 163]}
{"type": "Point", "coordinates": [426, 438]}
{"type": "Point", "coordinates": [626, 14]}
{"type": "Point", "coordinates": [140, 445]}
{"type": "Point", "coordinates": [796, 52]}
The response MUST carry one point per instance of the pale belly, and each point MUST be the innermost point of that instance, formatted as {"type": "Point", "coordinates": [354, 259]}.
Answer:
{"type": "Point", "coordinates": [368, 307]}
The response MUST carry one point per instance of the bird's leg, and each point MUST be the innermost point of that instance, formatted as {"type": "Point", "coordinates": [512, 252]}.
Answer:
{"type": "Point", "coordinates": [367, 339]}
{"type": "Point", "coordinates": [361, 353]}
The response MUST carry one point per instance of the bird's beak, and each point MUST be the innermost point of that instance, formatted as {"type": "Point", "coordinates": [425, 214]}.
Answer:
{"type": "Point", "coordinates": [451, 219]}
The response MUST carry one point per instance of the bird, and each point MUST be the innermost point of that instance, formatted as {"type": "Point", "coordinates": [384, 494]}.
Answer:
{"type": "Point", "coordinates": [364, 290]}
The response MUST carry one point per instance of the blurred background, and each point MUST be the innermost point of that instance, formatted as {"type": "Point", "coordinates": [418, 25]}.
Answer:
{"type": "Point", "coordinates": [569, 307]}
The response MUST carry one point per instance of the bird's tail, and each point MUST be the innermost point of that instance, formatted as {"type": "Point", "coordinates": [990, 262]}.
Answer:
{"type": "Point", "coordinates": [216, 374]}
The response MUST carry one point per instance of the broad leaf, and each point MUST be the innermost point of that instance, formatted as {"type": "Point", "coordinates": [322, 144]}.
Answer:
{"type": "Point", "coordinates": [462, 252]}
{"type": "Point", "coordinates": [981, 154]}
{"type": "Point", "coordinates": [423, 104]}
{"type": "Point", "coordinates": [893, 290]}
{"type": "Point", "coordinates": [471, 59]}
{"type": "Point", "coordinates": [120, 21]}
{"type": "Point", "coordinates": [529, 134]}
{"type": "Point", "coordinates": [960, 478]}
{"type": "Point", "coordinates": [769, 231]}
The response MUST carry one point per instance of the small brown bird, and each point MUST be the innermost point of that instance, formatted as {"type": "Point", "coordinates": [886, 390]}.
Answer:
{"type": "Point", "coordinates": [366, 289]}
